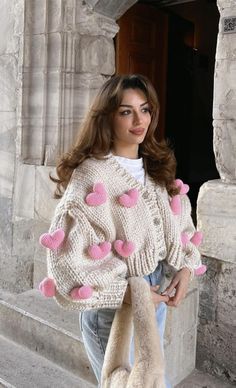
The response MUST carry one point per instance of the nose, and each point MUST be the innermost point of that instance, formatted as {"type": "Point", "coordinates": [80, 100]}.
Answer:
{"type": "Point", "coordinates": [137, 119]}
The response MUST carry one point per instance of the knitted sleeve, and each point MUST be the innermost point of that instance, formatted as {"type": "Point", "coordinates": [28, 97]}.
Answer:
{"type": "Point", "coordinates": [76, 264]}
{"type": "Point", "coordinates": [191, 254]}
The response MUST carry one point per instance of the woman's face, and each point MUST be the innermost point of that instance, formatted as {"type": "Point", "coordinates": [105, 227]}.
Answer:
{"type": "Point", "coordinates": [130, 123]}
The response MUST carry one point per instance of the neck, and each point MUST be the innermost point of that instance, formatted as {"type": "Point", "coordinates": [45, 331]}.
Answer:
{"type": "Point", "coordinates": [129, 152]}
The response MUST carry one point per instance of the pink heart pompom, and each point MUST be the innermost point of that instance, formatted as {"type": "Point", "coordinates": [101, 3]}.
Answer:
{"type": "Point", "coordinates": [175, 205]}
{"type": "Point", "coordinates": [98, 195]}
{"type": "Point", "coordinates": [124, 248]}
{"type": "Point", "coordinates": [47, 287]}
{"type": "Point", "coordinates": [84, 292]}
{"type": "Point", "coordinates": [197, 238]}
{"type": "Point", "coordinates": [99, 251]}
{"type": "Point", "coordinates": [52, 240]}
{"type": "Point", "coordinates": [129, 199]}
{"type": "Point", "coordinates": [200, 270]}
{"type": "Point", "coordinates": [184, 188]}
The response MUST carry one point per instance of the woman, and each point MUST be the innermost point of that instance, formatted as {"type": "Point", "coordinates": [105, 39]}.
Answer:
{"type": "Point", "coordinates": [121, 214]}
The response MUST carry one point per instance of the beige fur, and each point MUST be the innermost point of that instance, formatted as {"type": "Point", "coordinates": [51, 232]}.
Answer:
{"type": "Point", "coordinates": [148, 369]}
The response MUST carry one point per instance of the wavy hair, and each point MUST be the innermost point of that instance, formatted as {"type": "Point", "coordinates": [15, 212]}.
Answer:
{"type": "Point", "coordinates": [95, 135]}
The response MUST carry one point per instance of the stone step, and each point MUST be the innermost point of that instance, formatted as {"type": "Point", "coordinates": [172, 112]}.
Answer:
{"type": "Point", "coordinates": [42, 326]}
{"type": "Point", "coordinates": [22, 368]}
{"type": "Point", "coordinates": [199, 379]}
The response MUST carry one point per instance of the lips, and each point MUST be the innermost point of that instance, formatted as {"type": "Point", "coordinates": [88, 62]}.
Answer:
{"type": "Point", "coordinates": [137, 131]}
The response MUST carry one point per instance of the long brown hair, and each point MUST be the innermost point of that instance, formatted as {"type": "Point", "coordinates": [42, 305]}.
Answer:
{"type": "Point", "coordinates": [95, 135]}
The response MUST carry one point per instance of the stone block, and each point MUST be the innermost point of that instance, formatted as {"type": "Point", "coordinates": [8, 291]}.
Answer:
{"type": "Point", "coordinates": [5, 231]}
{"type": "Point", "coordinates": [180, 334]}
{"type": "Point", "coordinates": [7, 131]}
{"type": "Point", "coordinates": [95, 55]}
{"type": "Point", "coordinates": [9, 44]}
{"type": "Point", "coordinates": [8, 82]}
{"type": "Point", "coordinates": [35, 52]}
{"type": "Point", "coordinates": [44, 202]}
{"type": "Point", "coordinates": [21, 367]}
{"type": "Point", "coordinates": [225, 90]}
{"type": "Point", "coordinates": [7, 162]}
{"type": "Point", "coordinates": [94, 24]}
{"type": "Point", "coordinates": [216, 350]}
{"type": "Point", "coordinates": [209, 291]}
{"type": "Point", "coordinates": [41, 325]}
{"type": "Point", "coordinates": [35, 16]}
{"type": "Point", "coordinates": [226, 296]}
{"type": "Point", "coordinates": [226, 7]}
{"type": "Point", "coordinates": [216, 215]}
{"type": "Point", "coordinates": [226, 46]}
{"type": "Point", "coordinates": [225, 149]}
{"type": "Point", "coordinates": [55, 15]}
{"type": "Point", "coordinates": [34, 95]}
{"type": "Point", "coordinates": [24, 192]}
{"type": "Point", "coordinates": [112, 9]}
{"type": "Point", "coordinates": [54, 50]}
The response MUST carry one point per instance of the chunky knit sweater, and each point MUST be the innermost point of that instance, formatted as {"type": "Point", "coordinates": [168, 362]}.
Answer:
{"type": "Point", "coordinates": [115, 228]}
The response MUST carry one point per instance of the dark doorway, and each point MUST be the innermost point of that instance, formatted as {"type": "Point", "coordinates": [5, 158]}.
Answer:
{"type": "Point", "coordinates": [189, 102]}
{"type": "Point", "coordinates": [185, 67]}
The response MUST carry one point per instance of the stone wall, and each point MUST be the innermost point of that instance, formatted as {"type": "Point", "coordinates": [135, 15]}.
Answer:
{"type": "Point", "coordinates": [216, 347]}
{"type": "Point", "coordinates": [11, 24]}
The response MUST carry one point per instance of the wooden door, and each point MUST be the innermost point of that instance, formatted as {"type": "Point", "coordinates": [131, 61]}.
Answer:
{"type": "Point", "coordinates": [141, 47]}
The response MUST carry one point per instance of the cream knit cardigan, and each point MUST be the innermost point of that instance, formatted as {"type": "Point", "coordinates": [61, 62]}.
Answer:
{"type": "Point", "coordinates": [150, 225]}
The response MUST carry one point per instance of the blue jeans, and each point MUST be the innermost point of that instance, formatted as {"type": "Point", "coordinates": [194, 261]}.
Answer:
{"type": "Point", "coordinates": [96, 324]}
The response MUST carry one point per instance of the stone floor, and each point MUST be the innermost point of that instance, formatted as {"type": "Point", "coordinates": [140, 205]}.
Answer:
{"type": "Point", "coordinates": [199, 379]}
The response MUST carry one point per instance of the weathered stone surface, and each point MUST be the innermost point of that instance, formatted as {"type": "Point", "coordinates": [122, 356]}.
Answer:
{"type": "Point", "coordinates": [7, 13]}
{"type": "Point", "coordinates": [39, 323]}
{"type": "Point", "coordinates": [216, 350]}
{"type": "Point", "coordinates": [35, 16]}
{"type": "Point", "coordinates": [198, 379]}
{"type": "Point", "coordinates": [44, 202]}
{"type": "Point", "coordinates": [34, 52]}
{"type": "Point", "coordinates": [8, 69]}
{"type": "Point", "coordinates": [24, 192]}
{"type": "Point", "coordinates": [94, 24]}
{"type": "Point", "coordinates": [226, 47]}
{"type": "Point", "coordinates": [5, 229]}
{"type": "Point", "coordinates": [95, 55]}
{"type": "Point", "coordinates": [226, 5]}
{"type": "Point", "coordinates": [112, 8]}
{"type": "Point", "coordinates": [24, 368]}
{"type": "Point", "coordinates": [7, 160]}
{"type": "Point", "coordinates": [225, 149]}
{"type": "Point", "coordinates": [216, 214]}
{"type": "Point", "coordinates": [181, 334]}
{"type": "Point", "coordinates": [7, 131]}
{"type": "Point", "coordinates": [224, 90]}
{"type": "Point", "coordinates": [226, 309]}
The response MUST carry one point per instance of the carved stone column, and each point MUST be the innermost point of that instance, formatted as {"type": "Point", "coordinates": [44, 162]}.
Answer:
{"type": "Point", "coordinates": [216, 214]}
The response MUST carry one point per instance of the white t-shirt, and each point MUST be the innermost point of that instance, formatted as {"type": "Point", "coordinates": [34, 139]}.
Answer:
{"type": "Point", "coordinates": [134, 167]}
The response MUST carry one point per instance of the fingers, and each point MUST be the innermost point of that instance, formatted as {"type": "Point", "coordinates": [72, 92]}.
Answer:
{"type": "Point", "coordinates": [180, 294]}
{"type": "Point", "coordinates": [157, 298]}
{"type": "Point", "coordinates": [170, 289]}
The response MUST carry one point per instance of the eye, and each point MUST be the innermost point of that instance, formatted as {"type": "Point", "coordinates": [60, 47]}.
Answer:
{"type": "Point", "coordinates": [146, 109]}
{"type": "Point", "coordinates": [125, 112]}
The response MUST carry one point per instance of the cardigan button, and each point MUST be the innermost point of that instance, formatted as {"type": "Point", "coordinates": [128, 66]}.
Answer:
{"type": "Point", "coordinates": [145, 195]}
{"type": "Point", "coordinates": [156, 221]}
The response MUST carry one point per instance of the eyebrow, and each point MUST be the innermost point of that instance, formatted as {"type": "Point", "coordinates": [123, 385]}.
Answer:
{"type": "Point", "coordinates": [131, 106]}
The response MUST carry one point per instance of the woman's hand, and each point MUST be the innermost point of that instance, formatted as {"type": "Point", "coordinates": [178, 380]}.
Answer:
{"type": "Point", "coordinates": [179, 284]}
{"type": "Point", "coordinates": [156, 298]}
